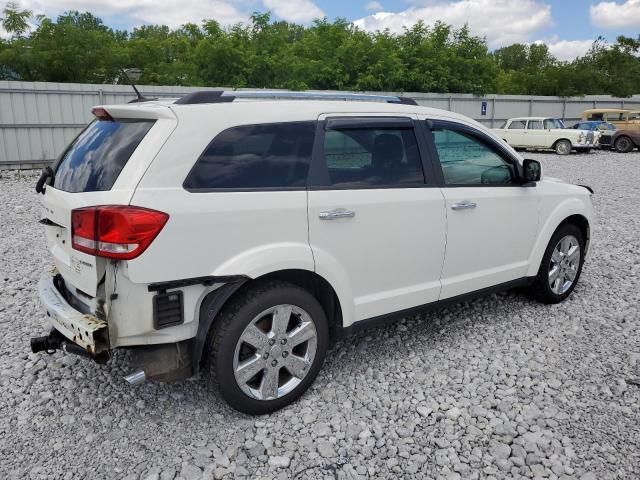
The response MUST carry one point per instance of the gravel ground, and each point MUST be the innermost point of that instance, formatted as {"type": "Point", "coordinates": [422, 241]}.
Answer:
{"type": "Point", "coordinates": [501, 387]}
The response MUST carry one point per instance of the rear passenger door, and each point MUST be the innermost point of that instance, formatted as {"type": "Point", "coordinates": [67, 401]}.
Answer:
{"type": "Point", "coordinates": [376, 218]}
{"type": "Point", "coordinates": [535, 135]}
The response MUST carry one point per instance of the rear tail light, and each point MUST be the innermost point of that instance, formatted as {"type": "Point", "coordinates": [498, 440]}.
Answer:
{"type": "Point", "coordinates": [115, 231]}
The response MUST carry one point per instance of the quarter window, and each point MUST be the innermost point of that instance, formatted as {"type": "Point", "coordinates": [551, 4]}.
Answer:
{"type": "Point", "coordinates": [466, 160]}
{"type": "Point", "coordinates": [275, 155]}
{"type": "Point", "coordinates": [372, 156]}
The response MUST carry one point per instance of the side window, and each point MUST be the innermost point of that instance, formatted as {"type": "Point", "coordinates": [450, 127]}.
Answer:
{"type": "Point", "coordinates": [517, 125]}
{"type": "Point", "coordinates": [372, 156]}
{"type": "Point", "coordinates": [550, 123]}
{"type": "Point", "coordinates": [534, 125]}
{"type": "Point", "coordinates": [275, 155]}
{"type": "Point", "coordinates": [595, 116]}
{"type": "Point", "coordinates": [466, 160]}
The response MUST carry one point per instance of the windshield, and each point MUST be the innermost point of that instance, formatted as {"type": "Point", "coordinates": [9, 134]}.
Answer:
{"type": "Point", "coordinates": [96, 157]}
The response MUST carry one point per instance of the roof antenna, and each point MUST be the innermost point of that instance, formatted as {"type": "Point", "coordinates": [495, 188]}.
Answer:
{"type": "Point", "coordinates": [138, 94]}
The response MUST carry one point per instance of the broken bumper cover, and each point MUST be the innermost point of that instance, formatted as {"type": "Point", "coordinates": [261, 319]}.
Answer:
{"type": "Point", "coordinates": [87, 331]}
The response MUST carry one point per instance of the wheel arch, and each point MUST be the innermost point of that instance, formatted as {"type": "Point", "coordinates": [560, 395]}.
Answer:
{"type": "Point", "coordinates": [573, 212]}
{"type": "Point", "coordinates": [215, 300]}
{"type": "Point", "coordinates": [560, 140]}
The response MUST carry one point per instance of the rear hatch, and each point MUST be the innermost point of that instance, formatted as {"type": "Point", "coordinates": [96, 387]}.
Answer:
{"type": "Point", "coordinates": [101, 166]}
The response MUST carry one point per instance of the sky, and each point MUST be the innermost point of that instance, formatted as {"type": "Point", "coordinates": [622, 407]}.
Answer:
{"type": "Point", "coordinates": [567, 26]}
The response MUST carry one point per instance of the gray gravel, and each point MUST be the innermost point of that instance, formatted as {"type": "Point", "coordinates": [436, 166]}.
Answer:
{"type": "Point", "coordinates": [501, 387]}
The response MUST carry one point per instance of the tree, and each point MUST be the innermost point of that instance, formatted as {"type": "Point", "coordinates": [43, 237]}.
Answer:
{"type": "Point", "coordinates": [333, 55]}
{"type": "Point", "coordinates": [15, 21]}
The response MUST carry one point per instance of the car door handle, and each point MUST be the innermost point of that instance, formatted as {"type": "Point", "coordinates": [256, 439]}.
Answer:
{"type": "Point", "coordinates": [464, 205]}
{"type": "Point", "coordinates": [336, 213]}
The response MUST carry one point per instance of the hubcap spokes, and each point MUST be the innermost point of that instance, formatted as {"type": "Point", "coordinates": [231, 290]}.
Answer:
{"type": "Point", "coordinates": [565, 261]}
{"type": "Point", "coordinates": [275, 352]}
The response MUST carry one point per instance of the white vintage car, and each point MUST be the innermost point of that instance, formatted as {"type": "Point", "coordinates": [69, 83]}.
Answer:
{"type": "Point", "coordinates": [545, 132]}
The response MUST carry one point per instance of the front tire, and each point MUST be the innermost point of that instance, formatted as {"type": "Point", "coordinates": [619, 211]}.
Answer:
{"type": "Point", "coordinates": [267, 347]}
{"type": "Point", "coordinates": [561, 265]}
{"type": "Point", "coordinates": [563, 147]}
{"type": "Point", "coordinates": [623, 144]}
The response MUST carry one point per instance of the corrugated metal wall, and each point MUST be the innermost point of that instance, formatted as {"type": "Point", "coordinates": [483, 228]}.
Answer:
{"type": "Point", "coordinates": [37, 120]}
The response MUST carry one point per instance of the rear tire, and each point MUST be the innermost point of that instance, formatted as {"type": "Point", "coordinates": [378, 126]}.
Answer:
{"type": "Point", "coordinates": [563, 147]}
{"type": "Point", "coordinates": [561, 265]}
{"type": "Point", "coordinates": [252, 359]}
{"type": "Point", "coordinates": [624, 144]}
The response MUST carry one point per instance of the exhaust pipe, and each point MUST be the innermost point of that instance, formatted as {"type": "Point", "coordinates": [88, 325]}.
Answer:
{"type": "Point", "coordinates": [136, 378]}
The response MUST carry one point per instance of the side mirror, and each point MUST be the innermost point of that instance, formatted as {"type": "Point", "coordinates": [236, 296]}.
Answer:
{"type": "Point", "coordinates": [532, 171]}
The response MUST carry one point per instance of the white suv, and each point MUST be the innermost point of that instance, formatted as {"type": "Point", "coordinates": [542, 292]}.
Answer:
{"type": "Point", "coordinates": [241, 235]}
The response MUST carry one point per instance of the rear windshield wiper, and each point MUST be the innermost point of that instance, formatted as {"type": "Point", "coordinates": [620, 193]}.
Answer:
{"type": "Point", "coordinates": [47, 172]}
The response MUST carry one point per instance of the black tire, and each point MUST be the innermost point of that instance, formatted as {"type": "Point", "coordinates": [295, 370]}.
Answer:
{"type": "Point", "coordinates": [624, 144]}
{"type": "Point", "coordinates": [540, 289]}
{"type": "Point", "coordinates": [225, 334]}
{"type": "Point", "coordinates": [562, 147]}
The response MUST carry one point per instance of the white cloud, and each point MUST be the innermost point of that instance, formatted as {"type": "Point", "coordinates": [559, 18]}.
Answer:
{"type": "Point", "coordinates": [616, 15]}
{"type": "Point", "coordinates": [568, 49]}
{"type": "Point", "coordinates": [295, 10]}
{"type": "Point", "coordinates": [503, 22]}
{"type": "Point", "coordinates": [374, 7]}
{"type": "Point", "coordinates": [167, 12]}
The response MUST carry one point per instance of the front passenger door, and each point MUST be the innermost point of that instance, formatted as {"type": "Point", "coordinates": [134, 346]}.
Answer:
{"type": "Point", "coordinates": [492, 219]}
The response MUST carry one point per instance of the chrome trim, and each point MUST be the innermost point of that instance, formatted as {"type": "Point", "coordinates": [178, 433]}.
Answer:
{"type": "Point", "coordinates": [464, 205]}
{"type": "Point", "coordinates": [336, 213]}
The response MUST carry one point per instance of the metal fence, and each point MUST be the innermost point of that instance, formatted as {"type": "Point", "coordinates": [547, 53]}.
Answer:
{"type": "Point", "coordinates": [37, 120]}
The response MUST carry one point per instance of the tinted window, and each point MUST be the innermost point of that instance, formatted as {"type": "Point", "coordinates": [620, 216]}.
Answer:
{"type": "Point", "coordinates": [534, 125]}
{"type": "Point", "coordinates": [369, 156]}
{"type": "Point", "coordinates": [274, 155]}
{"type": "Point", "coordinates": [517, 125]}
{"type": "Point", "coordinates": [96, 157]}
{"type": "Point", "coordinates": [466, 160]}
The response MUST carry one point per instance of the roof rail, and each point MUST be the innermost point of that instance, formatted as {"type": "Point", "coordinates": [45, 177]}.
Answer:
{"type": "Point", "coordinates": [221, 96]}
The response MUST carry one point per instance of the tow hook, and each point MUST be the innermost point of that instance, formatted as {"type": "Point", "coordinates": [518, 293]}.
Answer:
{"type": "Point", "coordinates": [56, 341]}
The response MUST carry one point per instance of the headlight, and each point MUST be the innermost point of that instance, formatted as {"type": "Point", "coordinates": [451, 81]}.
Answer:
{"type": "Point", "coordinates": [581, 137]}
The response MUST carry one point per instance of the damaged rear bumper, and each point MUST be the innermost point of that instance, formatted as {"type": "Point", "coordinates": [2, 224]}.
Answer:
{"type": "Point", "coordinates": [86, 331]}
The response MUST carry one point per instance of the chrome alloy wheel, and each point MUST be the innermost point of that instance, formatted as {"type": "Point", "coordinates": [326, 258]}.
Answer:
{"type": "Point", "coordinates": [564, 264]}
{"type": "Point", "coordinates": [275, 352]}
{"type": "Point", "coordinates": [563, 148]}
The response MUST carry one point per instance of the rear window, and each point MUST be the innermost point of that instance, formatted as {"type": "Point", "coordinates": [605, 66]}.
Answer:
{"type": "Point", "coordinates": [272, 155]}
{"type": "Point", "coordinates": [96, 157]}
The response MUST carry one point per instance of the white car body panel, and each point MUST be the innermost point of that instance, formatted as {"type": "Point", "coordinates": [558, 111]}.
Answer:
{"type": "Point", "coordinates": [404, 247]}
{"type": "Point", "coordinates": [491, 243]}
{"type": "Point", "coordinates": [388, 257]}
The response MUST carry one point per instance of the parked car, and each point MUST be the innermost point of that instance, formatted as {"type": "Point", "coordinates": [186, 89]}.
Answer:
{"type": "Point", "coordinates": [622, 118]}
{"type": "Point", "coordinates": [239, 236]}
{"type": "Point", "coordinates": [624, 141]}
{"type": "Point", "coordinates": [606, 129]}
{"type": "Point", "coordinates": [546, 133]}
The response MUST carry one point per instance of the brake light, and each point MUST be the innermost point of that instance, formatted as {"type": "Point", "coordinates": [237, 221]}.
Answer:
{"type": "Point", "coordinates": [101, 114]}
{"type": "Point", "coordinates": [120, 232]}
